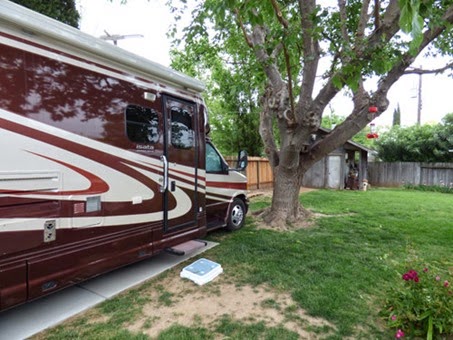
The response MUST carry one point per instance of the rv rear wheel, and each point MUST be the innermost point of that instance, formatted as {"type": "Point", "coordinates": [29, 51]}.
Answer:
{"type": "Point", "coordinates": [236, 215]}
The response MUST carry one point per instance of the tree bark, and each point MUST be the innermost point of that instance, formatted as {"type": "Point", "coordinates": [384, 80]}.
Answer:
{"type": "Point", "coordinates": [286, 208]}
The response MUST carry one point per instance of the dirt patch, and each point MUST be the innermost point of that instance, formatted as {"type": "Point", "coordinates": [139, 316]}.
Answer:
{"type": "Point", "coordinates": [302, 223]}
{"type": "Point", "coordinates": [307, 218]}
{"type": "Point", "coordinates": [180, 301]}
{"type": "Point", "coordinates": [268, 192]}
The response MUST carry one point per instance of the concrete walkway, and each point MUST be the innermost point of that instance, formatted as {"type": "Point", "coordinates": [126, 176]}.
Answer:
{"type": "Point", "coordinates": [33, 317]}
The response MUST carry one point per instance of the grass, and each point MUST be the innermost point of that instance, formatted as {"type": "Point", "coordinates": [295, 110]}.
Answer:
{"type": "Point", "coordinates": [336, 270]}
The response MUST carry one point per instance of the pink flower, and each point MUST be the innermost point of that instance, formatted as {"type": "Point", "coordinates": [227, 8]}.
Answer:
{"type": "Point", "coordinates": [393, 317]}
{"type": "Point", "coordinates": [416, 279]}
{"type": "Point", "coordinates": [446, 284]}
{"type": "Point", "coordinates": [437, 278]}
{"type": "Point", "coordinates": [413, 273]}
{"type": "Point", "coordinates": [410, 275]}
{"type": "Point", "coordinates": [399, 334]}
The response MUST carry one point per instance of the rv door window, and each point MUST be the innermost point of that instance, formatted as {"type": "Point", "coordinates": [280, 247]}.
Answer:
{"type": "Point", "coordinates": [142, 124]}
{"type": "Point", "coordinates": [182, 134]}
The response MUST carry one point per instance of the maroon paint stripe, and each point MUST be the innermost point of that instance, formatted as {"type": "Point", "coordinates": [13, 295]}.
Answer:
{"type": "Point", "coordinates": [97, 185]}
{"type": "Point", "coordinates": [227, 185]}
{"type": "Point", "coordinates": [84, 151]}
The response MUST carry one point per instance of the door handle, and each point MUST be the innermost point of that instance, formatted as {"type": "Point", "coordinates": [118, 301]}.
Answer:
{"type": "Point", "coordinates": [164, 185]}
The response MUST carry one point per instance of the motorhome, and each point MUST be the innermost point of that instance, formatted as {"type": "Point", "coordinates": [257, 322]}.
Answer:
{"type": "Point", "coordinates": [105, 158]}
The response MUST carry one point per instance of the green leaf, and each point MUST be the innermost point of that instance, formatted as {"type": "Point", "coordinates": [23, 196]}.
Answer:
{"type": "Point", "coordinates": [426, 314]}
{"type": "Point", "coordinates": [337, 82]}
{"type": "Point", "coordinates": [406, 15]}
{"type": "Point", "coordinates": [417, 34]}
{"type": "Point", "coordinates": [412, 22]}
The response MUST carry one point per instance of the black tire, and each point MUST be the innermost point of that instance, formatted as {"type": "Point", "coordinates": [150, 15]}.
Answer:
{"type": "Point", "coordinates": [236, 215]}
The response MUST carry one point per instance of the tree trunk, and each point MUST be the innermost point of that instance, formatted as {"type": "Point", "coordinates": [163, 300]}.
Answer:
{"type": "Point", "coordinates": [286, 208]}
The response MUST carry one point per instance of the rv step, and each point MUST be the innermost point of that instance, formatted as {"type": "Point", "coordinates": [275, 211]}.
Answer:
{"type": "Point", "coordinates": [186, 247]}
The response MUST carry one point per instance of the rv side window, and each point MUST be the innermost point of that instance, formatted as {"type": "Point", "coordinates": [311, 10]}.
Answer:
{"type": "Point", "coordinates": [213, 161]}
{"type": "Point", "coordinates": [142, 124]}
{"type": "Point", "coordinates": [182, 134]}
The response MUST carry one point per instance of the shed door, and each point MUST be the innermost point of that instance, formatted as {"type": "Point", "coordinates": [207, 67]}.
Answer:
{"type": "Point", "coordinates": [181, 150]}
{"type": "Point", "coordinates": [334, 179]}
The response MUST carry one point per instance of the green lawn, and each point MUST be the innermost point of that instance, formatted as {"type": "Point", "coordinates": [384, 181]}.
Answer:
{"type": "Point", "coordinates": [337, 270]}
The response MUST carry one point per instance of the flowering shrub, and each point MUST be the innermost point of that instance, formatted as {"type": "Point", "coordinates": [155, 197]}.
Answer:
{"type": "Point", "coordinates": [421, 305]}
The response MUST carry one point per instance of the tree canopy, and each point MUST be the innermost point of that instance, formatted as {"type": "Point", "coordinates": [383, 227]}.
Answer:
{"type": "Point", "coordinates": [61, 10]}
{"type": "Point", "coordinates": [231, 96]}
{"type": "Point", "coordinates": [303, 53]}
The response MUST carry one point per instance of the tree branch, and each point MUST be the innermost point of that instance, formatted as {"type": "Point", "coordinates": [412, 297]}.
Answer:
{"type": "Point", "coordinates": [359, 117]}
{"type": "Point", "coordinates": [279, 14]}
{"type": "Point", "coordinates": [277, 50]}
{"type": "Point", "coordinates": [285, 25]}
{"type": "Point", "coordinates": [311, 55]}
{"type": "Point", "coordinates": [244, 31]}
{"type": "Point", "coordinates": [343, 19]}
{"type": "Point", "coordinates": [364, 17]}
{"type": "Point", "coordinates": [377, 7]}
{"type": "Point", "coordinates": [270, 68]}
{"type": "Point", "coordinates": [435, 71]}
{"type": "Point", "coordinates": [407, 59]}
{"type": "Point", "coordinates": [266, 129]}
{"type": "Point", "coordinates": [389, 27]}
{"type": "Point", "coordinates": [290, 83]}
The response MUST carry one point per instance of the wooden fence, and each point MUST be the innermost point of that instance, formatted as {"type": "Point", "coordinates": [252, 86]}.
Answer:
{"type": "Point", "coordinates": [258, 172]}
{"type": "Point", "coordinates": [399, 173]}
{"type": "Point", "coordinates": [381, 174]}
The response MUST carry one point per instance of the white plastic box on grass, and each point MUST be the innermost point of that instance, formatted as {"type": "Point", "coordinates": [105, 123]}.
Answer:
{"type": "Point", "coordinates": [202, 271]}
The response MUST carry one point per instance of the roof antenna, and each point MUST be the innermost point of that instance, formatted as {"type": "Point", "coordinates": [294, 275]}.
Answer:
{"type": "Point", "coordinates": [116, 37]}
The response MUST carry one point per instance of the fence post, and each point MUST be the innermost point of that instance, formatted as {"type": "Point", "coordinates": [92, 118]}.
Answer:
{"type": "Point", "coordinates": [258, 173]}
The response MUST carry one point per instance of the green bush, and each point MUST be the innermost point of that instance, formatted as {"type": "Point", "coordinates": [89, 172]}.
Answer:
{"type": "Point", "coordinates": [435, 188]}
{"type": "Point", "coordinates": [418, 143]}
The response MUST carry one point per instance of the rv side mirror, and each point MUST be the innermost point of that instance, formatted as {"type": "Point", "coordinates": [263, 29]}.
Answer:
{"type": "Point", "coordinates": [242, 160]}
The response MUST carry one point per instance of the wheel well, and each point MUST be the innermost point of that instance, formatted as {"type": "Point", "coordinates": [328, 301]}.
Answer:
{"type": "Point", "coordinates": [245, 200]}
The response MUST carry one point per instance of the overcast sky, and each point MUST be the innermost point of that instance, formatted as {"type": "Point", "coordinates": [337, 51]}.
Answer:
{"type": "Point", "coordinates": [151, 18]}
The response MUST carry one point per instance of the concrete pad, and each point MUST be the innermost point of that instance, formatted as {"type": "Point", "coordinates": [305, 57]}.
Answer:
{"type": "Point", "coordinates": [33, 317]}
{"type": "Point", "coordinates": [115, 282]}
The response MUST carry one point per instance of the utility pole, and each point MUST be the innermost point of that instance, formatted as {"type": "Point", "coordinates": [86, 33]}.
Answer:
{"type": "Point", "coordinates": [419, 71]}
{"type": "Point", "coordinates": [419, 106]}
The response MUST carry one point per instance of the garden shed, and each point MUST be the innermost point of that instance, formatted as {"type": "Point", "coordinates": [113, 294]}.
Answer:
{"type": "Point", "coordinates": [330, 172]}
{"type": "Point", "coordinates": [345, 167]}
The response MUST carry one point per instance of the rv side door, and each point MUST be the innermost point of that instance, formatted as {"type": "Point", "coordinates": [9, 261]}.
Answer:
{"type": "Point", "coordinates": [181, 152]}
